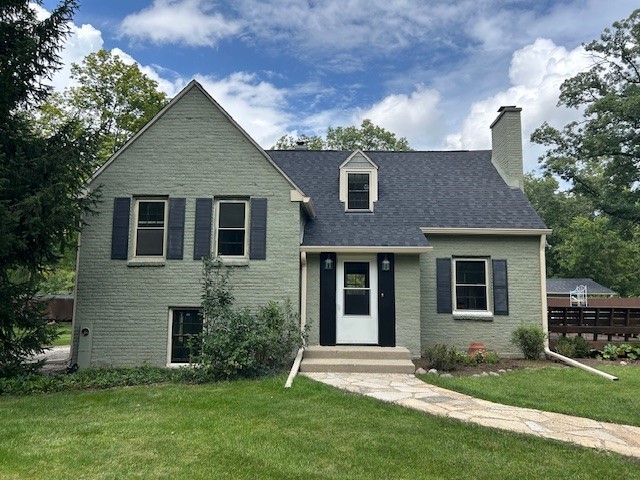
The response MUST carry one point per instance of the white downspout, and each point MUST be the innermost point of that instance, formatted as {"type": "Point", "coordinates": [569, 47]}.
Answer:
{"type": "Point", "coordinates": [303, 317]}
{"type": "Point", "coordinates": [545, 320]}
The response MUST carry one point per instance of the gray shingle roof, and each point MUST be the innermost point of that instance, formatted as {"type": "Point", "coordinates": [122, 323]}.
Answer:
{"type": "Point", "coordinates": [415, 189]}
{"type": "Point", "coordinates": [565, 285]}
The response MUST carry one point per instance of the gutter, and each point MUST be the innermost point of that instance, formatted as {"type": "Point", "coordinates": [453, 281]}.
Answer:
{"type": "Point", "coordinates": [545, 322]}
{"type": "Point", "coordinates": [303, 318]}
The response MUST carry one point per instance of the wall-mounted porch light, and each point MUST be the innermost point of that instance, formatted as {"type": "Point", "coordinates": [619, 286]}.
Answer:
{"type": "Point", "coordinates": [386, 264]}
{"type": "Point", "coordinates": [328, 264]}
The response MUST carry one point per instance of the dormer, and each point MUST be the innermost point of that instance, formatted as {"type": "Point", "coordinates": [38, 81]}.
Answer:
{"type": "Point", "coordinates": [358, 183]}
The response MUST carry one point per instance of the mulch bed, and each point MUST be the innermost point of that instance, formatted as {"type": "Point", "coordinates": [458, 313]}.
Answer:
{"type": "Point", "coordinates": [520, 364]}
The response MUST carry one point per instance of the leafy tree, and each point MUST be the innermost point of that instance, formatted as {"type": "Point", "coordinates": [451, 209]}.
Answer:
{"type": "Point", "coordinates": [557, 209]}
{"type": "Point", "coordinates": [112, 101]}
{"type": "Point", "coordinates": [368, 137]}
{"type": "Point", "coordinates": [41, 202]}
{"type": "Point", "coordinates": [592, 247]}
{"type": "Point", "coordinates": [600, 155]}
{"type": "Point", "coordinates": [289, 142]}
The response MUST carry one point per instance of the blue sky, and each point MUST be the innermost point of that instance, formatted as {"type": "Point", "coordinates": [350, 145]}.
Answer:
{"type": "Point", "coordinates": [433, 71]}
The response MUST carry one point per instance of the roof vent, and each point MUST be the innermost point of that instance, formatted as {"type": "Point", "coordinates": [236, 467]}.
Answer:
{"type": "Point", "coordinates": [301, 145]}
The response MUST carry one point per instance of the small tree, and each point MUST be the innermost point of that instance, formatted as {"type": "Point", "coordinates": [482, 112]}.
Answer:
{"type": "Point", "coordinates": [236, 342]}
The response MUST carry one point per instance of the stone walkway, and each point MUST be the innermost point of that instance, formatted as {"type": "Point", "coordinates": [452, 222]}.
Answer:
{"type": "Point", "coordinates": [408, 391]}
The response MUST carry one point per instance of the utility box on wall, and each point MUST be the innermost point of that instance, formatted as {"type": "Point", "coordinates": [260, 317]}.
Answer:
{"type": "Point", "coordinates": [84, 346]}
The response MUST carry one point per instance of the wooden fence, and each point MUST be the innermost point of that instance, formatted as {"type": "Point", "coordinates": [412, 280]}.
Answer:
{"type": "Point", "coordinates": [616, 323]}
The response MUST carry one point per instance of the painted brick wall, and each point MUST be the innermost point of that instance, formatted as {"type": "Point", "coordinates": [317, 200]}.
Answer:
{"type": "Point", "coordinates": [525, 305]}
{"type": "Point", "coordinates": [506, 139]}
{"type": "Point", "coordinates": [407, 273]}
{"type": "Point", "coordinates": [313, 298]}
{"type": "Point", "coordinates": [192, 151]}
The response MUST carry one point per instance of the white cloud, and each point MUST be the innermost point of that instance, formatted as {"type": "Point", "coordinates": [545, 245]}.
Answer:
{"type": "Point", "coordinates": [258, 106]}
{"type": "Point", "coordinates": [536, 73]}
{"type": "Point", "coordinates": [415, 116]}
{"type": "Point", "coordinates": [187, 22]}
{"type": "Point", "coordinates": [170, 87]}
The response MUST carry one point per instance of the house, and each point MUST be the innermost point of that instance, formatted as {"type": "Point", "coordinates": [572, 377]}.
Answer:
{"type": "Point", "coordinates": [562, 288]}
{"type": "Point", "coordinates": [387, 249]}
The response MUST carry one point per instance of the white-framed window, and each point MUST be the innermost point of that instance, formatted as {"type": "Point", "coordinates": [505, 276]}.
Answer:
{"type": "Point", "coordinates": [470, 280]}
{"type": "Point", "coordinates": [358, 191]}
{"type": "Point", "coordinates": [150, 222]}
{"type": "Point", "coordinates": [232, 228]}
{"type": "Point", "coordinates": [185, 327]}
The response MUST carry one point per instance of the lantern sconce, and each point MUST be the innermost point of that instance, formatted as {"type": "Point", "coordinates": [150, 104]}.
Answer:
{"type": "Point", "coordinates": [328, 264]}
{"type": "Point", "coordinates": [386, 264]}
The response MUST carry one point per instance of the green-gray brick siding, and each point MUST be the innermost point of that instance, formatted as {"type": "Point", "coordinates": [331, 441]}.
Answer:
{"type": "Point", "coordinates": [525, 304]}
{"type": "Point", "coordinates": [192, 151]}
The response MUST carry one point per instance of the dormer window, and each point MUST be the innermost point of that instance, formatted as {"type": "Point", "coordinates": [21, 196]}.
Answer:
{"type": "Point", "coordinates": [358, 183]}
{"type": "Point", "coordinates": [358, 191]}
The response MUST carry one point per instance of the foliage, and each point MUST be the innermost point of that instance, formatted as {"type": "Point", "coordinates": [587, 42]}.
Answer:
{"type": "Point", "coordinates": [289, 142]}
{"type": "Point", "coordinates": [480, 357]}
{"type": "Point", "coordinates": [529, 339]}
{"type": "Point", "coordinates": [238, 343]}
{"type": "Point", "coordinates": [366, 137]}
{"type": "Point", "coordinates": [99, 378]}
{"type": "Point", "coordinates": [573, 347]}
{"type": "Point", "coordinates": [624, 350]}
{"type": "Point", "coordinates": [440, 357]}
{"type": "Point", "coordinates": [41, 202]}
{"type": "Point", "coordinates": [600, 155]}
{"type": "Point", "coordinates": [112, 101]}
{"type": "Point", "coordinates": [594, 248]}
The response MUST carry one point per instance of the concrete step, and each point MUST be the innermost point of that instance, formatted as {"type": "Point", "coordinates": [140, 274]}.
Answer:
{"type": "Point", "coordinates": [361, 352]}
{"type": "Point", "coordinates": [356, 365]}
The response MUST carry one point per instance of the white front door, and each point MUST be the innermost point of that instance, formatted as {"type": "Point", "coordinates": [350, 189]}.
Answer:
{"type": "Point", "coordinates": [357, 300]}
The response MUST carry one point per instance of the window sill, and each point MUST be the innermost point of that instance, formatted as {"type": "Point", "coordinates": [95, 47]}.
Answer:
{"type": "Point", "coordinates": [364, 210]}
{"type": "Point", "coordinates": [234, 262]}
{"type": "Point", "coordinates": [144, 262]}
{"type": "Point", "coordinates": [473, 315]}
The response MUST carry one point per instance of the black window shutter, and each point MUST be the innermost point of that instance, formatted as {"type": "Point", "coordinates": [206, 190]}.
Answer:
{"type": "Point", "coordinates": [328, 300]}
{"type": "Point", "coordinates": [443, 285]}
{"type": "Point", "coordinates": [258, 229]}
{"type": "Point", "coordinates": [202, 235]}
{"type": "Point", "coordinates": [500, 287]}
{"type": "Point", "coordinates": [386, 302]}
{"type": "Point", "coordinates": [175, 245]}
{"type": "Point", "coordinates": [120, 229]}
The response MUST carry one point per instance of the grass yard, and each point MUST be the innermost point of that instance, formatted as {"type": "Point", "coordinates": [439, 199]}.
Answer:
{"type": "Point", "coordinates": [564, 390]}
{"type": "Point", "coordinates": [65, 334]}
{"type": "Point", "coordinates": [257, 429]}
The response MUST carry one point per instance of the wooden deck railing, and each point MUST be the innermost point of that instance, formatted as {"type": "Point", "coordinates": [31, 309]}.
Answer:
{"type": "Point", "coordinates": [619, 322]}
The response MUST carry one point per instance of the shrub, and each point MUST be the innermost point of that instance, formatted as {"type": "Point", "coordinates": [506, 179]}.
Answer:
{"type": "Point", "coordinates": [441, 357]}
{"type": "Point", "coordinates": [238, 343]}
{"type": "Point", "coordinates": [565, 346]}
{"type": "Point", "coordinates": [478, 358]}
{"type": "Point", "coordinates": [624, 350]}
{"type": "Point", "coordinates": [530, 339]}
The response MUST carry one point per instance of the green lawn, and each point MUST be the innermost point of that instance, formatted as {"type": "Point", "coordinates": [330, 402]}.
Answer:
{"type": "Point", "coordinates": [65, 334]}
{"type": "Point", "coordinates": [565, 390]}
{"type": "Point", "coordinates": [259, 430]}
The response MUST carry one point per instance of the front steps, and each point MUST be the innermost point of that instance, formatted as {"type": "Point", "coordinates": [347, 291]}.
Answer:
{"type": "Point", "coordinates": [357, 359]}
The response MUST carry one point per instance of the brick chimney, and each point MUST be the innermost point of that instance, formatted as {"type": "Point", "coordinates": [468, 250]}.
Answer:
{"type": "Point", "coordinates": [506, 143]}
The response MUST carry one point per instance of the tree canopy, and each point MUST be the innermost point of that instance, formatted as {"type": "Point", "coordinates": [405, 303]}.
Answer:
{"type": "Point", "coordinates": [41, 200]}
{"type": "Point", "coordinates": [112, 101]}
{"type": "Point", "coordinates": [366, 137]}
{"type": "Point", "coordinates": [600, 155]}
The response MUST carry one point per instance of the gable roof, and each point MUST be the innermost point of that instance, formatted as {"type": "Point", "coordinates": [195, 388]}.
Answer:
{"type": "Point", "coordinates": [191, 85]}
{"type": "Point", "coordinates": [562, 286]}
{"type": "Point", "coordinates": [455, 189]}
